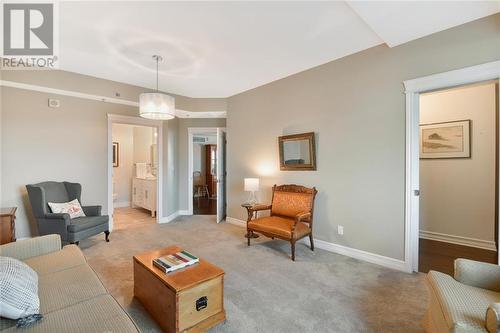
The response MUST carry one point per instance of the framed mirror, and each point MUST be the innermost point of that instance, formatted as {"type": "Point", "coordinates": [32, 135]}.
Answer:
{"type": "Point", "coordinates": [297, 152]}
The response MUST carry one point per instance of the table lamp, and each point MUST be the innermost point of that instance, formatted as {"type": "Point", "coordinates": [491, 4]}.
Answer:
{"type": "Point", "coordinates": [252, 185]}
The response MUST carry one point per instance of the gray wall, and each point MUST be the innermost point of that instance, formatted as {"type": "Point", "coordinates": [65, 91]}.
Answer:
{"type": "Point", "coordinates": [356, 106]}
{"type": "Point", "coordinates": [457, 195]}
{"type": "Point", "coordinates": [184, 124]}
{"type": "Point", "coordinates": [39, 143]}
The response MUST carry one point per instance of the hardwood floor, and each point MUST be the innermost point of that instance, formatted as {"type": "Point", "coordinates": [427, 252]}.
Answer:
{"type": "Point", "coordinates": [204, 206]}
{"type": "Point", "coordinates": [439, 256]}
{"type": "Point", "coordinates": [125, 218]}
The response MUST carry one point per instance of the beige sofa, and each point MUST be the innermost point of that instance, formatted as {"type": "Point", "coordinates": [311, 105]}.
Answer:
{"type": "Point", "coordinates": [72, 298]}
{"type": "Point", "coordinates": [458, 304]}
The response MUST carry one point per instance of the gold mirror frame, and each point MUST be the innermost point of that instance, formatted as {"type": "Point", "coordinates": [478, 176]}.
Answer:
{"type": "Point", "coordinates": [312, 152]}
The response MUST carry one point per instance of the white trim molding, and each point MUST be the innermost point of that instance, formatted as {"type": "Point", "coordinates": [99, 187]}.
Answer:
{"type": "Point", "coordinates": [457, 77]}
{"type": "Point", "coordinates": [413, 89]}
{"type": "Point", "coordinates": [459, 240]}
{"type": "Point", "coordinates": [99, 98]}
{"type": "Point", "coordinates": [158, 124]}
{"type": "Point", "coordinates": [169, 218]}
{"type": "Point", "coordinates": [373, 258]}
{"type": "Point", "coordinates": [192, 131]}
{"type": "Point", "coordinates": [235, 221]}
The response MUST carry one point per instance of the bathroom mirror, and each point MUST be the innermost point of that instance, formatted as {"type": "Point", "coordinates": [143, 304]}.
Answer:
{"type": "Point", "coordinates": [297, 152]}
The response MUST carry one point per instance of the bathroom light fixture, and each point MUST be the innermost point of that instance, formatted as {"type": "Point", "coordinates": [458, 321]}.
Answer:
{"type": "Point", "coordinates": [156, 105]}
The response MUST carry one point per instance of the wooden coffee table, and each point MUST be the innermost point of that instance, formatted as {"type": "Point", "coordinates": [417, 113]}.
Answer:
{"type": "Point", "coordinates": [188, 300]}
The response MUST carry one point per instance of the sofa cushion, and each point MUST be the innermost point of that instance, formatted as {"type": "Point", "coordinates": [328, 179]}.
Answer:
{"type": "Point", "coordinates": [99, 314]}
{"type": "Point", "coordinates": [290, 203]}
{"type": "Point", "coordinates": [279, 226]}
{"type": "Point", "coordinates": [83, 223]}
{"type": "Point", "coordinates": [18, 289]}
{"type": "Point", "coordinates": [68, 287]}
{"type": "Point", "coordinates": [70, 256]}
{"type": "Point", "coordinates": [464, 307]}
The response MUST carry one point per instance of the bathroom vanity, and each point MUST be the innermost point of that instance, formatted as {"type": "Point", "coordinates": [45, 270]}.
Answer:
{"type": "Point", "coordinates": [144, 194]}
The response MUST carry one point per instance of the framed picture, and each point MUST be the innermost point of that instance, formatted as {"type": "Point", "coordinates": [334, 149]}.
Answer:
{"type": "Point", "coordinates": [297, 152]}
{"type": "Point", "coordinates": [116, 154]}
{"type": "Point", "coordinates": [445, 140]}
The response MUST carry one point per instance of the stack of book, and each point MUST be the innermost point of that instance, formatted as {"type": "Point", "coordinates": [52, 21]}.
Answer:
{"type": "Point", "coordinates": [175, 261]}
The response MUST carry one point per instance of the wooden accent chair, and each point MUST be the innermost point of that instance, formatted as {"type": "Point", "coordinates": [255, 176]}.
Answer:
{"type": "Point", "coordinates": [291, 216]}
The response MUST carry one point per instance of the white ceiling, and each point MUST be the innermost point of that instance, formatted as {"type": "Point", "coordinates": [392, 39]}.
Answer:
{"type": "Point", "coordinates": [218, 49]}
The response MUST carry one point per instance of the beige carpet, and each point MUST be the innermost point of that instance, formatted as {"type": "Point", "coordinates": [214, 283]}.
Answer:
{"type": "Point", "coordinates": [264, 290]}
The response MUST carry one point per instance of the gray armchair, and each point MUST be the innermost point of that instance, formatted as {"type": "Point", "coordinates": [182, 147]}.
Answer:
{"type": "Point", "coordinates": [70, 230]}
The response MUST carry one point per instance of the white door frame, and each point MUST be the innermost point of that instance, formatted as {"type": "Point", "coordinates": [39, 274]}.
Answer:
{"type": "Point", "coordinates": [413, 89]}
{"type": "Point", "coordinates": [129, 120]}
{"type": "Point", "coordinates": [191, 132]}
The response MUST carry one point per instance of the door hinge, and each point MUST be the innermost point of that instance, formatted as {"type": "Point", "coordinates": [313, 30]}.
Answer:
{"type": "Point", "coordinates": [416, 193]}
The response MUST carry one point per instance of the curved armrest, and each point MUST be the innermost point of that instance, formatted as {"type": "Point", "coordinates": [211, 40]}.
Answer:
{"type": "Point", "coordinates": [302, 216]}
{"type": "Point", "coordinates": [478, 274]}
{"type": "Point", "coordinates": [493, 318]}
{"type": "Point", "coordinates": [57, 216]}
{"type": "Point", "coordinates": [257, 208]}
{"type": "Point", "coordinates": [92, 210]}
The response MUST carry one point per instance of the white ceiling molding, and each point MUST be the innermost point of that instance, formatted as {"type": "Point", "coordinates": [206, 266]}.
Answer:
{"type": "Point", "coordinates": [398, 22]}
{"type": "Point", "coordinates": [203, 114]}
{"type": "Point", "coordinates": [178, 113]}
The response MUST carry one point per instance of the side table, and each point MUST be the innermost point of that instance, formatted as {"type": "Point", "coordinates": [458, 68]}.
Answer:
{"type": "Point", "coordinates": [7, 225]}
{"type": "Point", "coordinates": [251, 214]}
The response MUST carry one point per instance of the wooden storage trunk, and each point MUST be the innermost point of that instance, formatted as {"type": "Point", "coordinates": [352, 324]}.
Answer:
{"type": "Point", "coordinates": [188, 300]}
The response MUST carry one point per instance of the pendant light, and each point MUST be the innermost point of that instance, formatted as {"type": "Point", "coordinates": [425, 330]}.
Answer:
{"type": "Point", "coordinates": [156, 105]}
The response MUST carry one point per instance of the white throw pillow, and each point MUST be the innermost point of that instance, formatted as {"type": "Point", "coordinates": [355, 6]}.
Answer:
{"type": "Point", "coordinates": [73, 208]}
{"type": "Point", "coordinates": [18, 289]}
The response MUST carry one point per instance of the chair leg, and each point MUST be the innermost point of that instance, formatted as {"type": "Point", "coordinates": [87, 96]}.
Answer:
{"type": "Point", "coordinates": [293, 250]}
{"type": "Point", "coordinates": [107, 235]}
{"type": "Point", "coordinates": [248, 238]}
{"type": "Point", "coordinates": [311, 240]}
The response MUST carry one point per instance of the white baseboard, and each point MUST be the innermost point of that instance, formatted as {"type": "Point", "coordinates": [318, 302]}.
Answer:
{"type": "Point", "coordinates": [121, 204]}
{"type": "Point", "coordinates": [184, 212]}
{"type": "Point", "coordinates": [169, 218]}
{"type": "Point", "coordinates": [459, 240]}
{"type": "Point", "coordinates": [373, 258]}
{"type": "Point", "coordinates": [235, 221]}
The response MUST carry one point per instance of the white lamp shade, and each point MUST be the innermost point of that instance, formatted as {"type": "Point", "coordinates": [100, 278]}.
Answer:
{"type": "Point", "coordinates": [156, 106]}
{"type": "Point", "coordinates": [251, 184]}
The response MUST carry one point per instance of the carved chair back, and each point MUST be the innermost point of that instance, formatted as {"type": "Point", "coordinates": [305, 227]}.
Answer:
{"type": "Point", "coordinates": [290, 200]}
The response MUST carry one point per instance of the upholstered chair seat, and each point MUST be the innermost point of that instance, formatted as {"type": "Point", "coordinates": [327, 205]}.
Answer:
{"type": "Point", "coordinates": [291, 215]}
{"type": "Point", "coordinates": [279, 226]}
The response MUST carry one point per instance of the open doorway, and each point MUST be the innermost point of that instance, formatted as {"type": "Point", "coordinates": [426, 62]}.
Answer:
{"type": "Point", "coordinates": [204, 174]}
{"type": "Point", "coordinates": [414, 88]}
{"type": "Point", "coordinates": [134, 171]}
{"type": "Point", "coordinates": [458, 176]}
{"type": "Point", "coordinates": [207, 172]}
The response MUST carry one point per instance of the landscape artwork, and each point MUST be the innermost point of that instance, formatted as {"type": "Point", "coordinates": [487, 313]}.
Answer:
{"type": "Point", "coordinates": [445, 140]}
